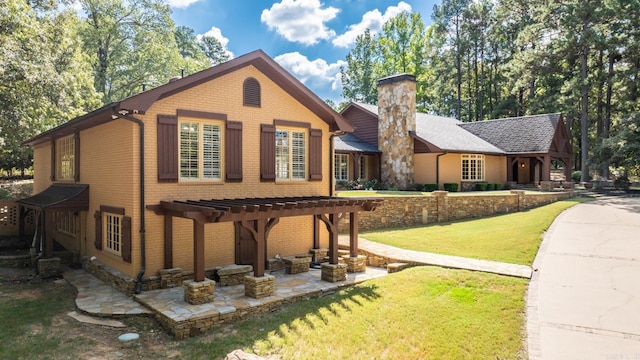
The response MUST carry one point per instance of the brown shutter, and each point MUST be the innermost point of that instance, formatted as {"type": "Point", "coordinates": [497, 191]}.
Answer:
{"type": "Point", "coordinates": [53, 160]}
{"type": "Point", "coordinates": [76, 157]}
{"type": "Point", "coordinates": [267, 152]}
{"type": "Point", "coordinates": [126, 239]}
{"type": "Point", "coordinates": [167, 148]}
{"type": "Point", "coordinates": [98, 239]}
{"type": "Point", "coordinates": [315, 154]}
{"type": "Point", "coordinates": [233, 151]}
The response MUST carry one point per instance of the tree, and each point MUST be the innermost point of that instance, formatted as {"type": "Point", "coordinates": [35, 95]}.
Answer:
{"type": "Point", "coordinates": [623, 148]}
{"type": "Point", "coordinates": [213, 50]}
{"type": "Point", "coordinates": [359, 77]}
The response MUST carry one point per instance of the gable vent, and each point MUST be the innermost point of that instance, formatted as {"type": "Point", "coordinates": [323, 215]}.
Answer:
{"type": "Point", "coordinates": [251, 92]}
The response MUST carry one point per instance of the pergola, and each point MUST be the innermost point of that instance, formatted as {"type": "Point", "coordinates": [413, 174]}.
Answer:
{"type": "Point", "coordinates": [259, 216]}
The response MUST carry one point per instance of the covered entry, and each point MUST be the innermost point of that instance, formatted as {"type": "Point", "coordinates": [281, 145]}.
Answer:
{"type": "Point", "coordinates": [256, 217]}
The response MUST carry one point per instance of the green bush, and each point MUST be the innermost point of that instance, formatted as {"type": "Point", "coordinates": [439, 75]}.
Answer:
{"type": "Point", "coordinates": [481, 186]}
{"type": "Point", "coordinates": [491, 187]}
{"type": "Point", "coordinates": [498, 186]}
{"type": "Point", "coordinates": [392, 188]}
{"type": "Point", "coordinates": [430, 187]}
{"type": "Point", "coordinates": [576, 176]}
{"type": "Point", "coordinates": [419, 187]}
{"type": "Point", "coordinates": [451, 187]}
{"type": "Point", "coordinates": [622, 183]}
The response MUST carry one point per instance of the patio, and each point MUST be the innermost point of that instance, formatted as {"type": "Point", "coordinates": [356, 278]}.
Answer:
{"type": "Point", "coordinates": [230, 304]}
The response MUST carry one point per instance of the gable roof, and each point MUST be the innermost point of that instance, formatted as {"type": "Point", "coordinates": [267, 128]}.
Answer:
{"type": "Point", "coordinates": [446, 134]}
{"type": "Point", "coordinates": [141, 102]}
{"type": "Point", "coordinates": [534, 133]}
{"type": "Point", "coordinates": [351, 143]}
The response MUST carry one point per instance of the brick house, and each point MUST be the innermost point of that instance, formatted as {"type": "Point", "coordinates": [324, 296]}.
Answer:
{"type": "Point", "coordinates": [396, 144]}
{"type": "Point", "coordinates": [230, 165]}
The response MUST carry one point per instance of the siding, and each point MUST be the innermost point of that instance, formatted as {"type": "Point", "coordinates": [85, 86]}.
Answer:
{"type": "Point", "coordinates": [365, 124]}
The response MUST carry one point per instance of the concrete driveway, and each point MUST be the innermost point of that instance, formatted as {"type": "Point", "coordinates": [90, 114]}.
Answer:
{"type": "Point", "coordinates": [584, 300]}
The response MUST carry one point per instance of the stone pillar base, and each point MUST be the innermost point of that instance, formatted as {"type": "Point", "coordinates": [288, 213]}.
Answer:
{"type": "Point", "coordinates": [297, 264]}
{"type": "Point", "coordinates": [318, 255]}
{"type": "Point", "coordinates": [49, 267]}
{"type": "Point", "coordinates": [356, 264]}
{"type": "Point", "coordinates": [334, 272]}
{"type": "Point", "coordinates": [170, 278]}
{"type": "Point", "coordinates": [259, 287]}
{"type": "Point", "coordinates": [275, 264]}
{"type": "Point", "coordinates": [547, 185]}
{"type": "Point", "coordinates": [233, 274]}
{"type": "Point", "coordinates": [198, 292]}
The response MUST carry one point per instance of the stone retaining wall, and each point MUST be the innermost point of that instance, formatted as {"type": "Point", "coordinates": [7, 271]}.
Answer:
{"type": "Point", "coordinates": [398, 211]}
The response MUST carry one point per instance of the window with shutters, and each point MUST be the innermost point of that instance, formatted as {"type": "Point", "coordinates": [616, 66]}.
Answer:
{"type": "Point", "coordinates": [201, 154]}
{"type": "Point", "coordinates": [65, 148]}
{"type": "Point", "coordinates": [342, 167]}
{"type": "Point", "coordinates": [473, 167]}
{"type": "Point", "coordinates": [67, 223]}
{"type": "Point", "coordinates": [251, 92]}
{"type": "Point", "coordinates": [112, 233]}
{"type": "Point", "coordinates": [291, 154]}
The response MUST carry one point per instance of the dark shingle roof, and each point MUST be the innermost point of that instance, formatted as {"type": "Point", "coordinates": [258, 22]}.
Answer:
{"type": "Point", "coordinates": [446, 134]}
{"type": "Point", "coordinates": [527, 134]}
{"type": "Point", "coordinates": [350, 142]}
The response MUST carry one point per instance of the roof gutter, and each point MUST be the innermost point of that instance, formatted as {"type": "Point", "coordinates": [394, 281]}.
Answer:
{"type": "Point", "coordinates": [143, 256]}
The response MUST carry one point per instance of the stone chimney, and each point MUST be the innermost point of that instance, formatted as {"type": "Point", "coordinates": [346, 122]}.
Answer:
{"type": "Point", "coordinates": [396, 118]}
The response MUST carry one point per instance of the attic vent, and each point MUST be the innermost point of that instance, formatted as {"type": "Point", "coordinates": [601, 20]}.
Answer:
{"type": "Point", "coordinates": [251, 92]}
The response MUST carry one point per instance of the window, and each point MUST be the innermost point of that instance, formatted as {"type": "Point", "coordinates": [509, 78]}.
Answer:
{"type": "Point", "coordinates": [473, 167]}
{"type": "Point", "coordinates": [66, 158]}
{"type": "Point", "coordinates": [363, 168]}
{"type": "Point", "coordinates": [342, 167]}
{"type": "Point", "coordinates": [291, 155]}
{"type": "Point", "coordinates": [200, 150]}
{"type": "Point", "coordinates": [112, 232]}
{"type": "Point", "coordinates": [68, 223]}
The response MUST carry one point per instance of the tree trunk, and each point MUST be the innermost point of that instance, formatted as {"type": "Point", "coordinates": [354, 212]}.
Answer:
{"type": "Point", "coordinates": [584, 115]}
{"type": "Point", "coordinates": [458, 69]}
{"type": "Point", "coordinates": [607, 110]}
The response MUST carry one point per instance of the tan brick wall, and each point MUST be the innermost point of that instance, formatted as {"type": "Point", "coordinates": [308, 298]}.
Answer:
{"type": "Point", "coordinates": [451, 169]}
{"type": "Point", "coordinates": [41, 158]}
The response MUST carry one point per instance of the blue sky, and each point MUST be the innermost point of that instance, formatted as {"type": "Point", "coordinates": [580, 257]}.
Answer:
{"type": "Point", "coordinates": [310, 38]}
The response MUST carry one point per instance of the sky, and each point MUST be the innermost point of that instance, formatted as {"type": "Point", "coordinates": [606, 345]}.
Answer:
{"type": "Point", "coordinates": [309, 38]}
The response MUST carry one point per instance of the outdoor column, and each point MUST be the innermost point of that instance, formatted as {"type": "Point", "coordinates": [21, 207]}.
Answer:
{"type": "Point", "coordinates": [316, 232]}
{"type": "Point", "coordinates": [48, 231]}
{"type": "Point", "coordinates": [546, 168]}
{"type": "Point", "coordinates": [333, 240]}
{"type": "Point", "coordinates": [510, 168]}
{"type": "Point", "coordinates": [168, 241]}
{"type": "Point", "coordinates": [353, 233]}
{"type": "Point", "coordinates": [198, 251]}
{"type": "Point", "coordinates": [261, 251]}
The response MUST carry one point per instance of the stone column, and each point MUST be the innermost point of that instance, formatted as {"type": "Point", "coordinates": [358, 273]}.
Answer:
{"type": "Point", "coordinates": [334, 272]}
{"type": "Point", "coordinates": [198, 292]}
{"type": "Point", "coordinates": [443, 205]}
{"type": "Point", "coordinates": [521, 198]}
{"type": "Point", "coordinates": [258, 287]}
{"type": "Point", "coordinates": [356, 263]}
{"type": "Point", "coordinates": [396, 120]}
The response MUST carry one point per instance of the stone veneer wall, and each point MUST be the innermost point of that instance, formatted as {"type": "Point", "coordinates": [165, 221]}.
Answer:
{"type": "Point", "coordinates": [439, 207]}
{"type": "Point", "coordinates": [396, 118]}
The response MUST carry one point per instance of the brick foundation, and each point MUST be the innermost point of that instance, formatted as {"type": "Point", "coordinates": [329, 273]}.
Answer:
{"type": "Point", "coordinates": [334, 272]}
{"type": "Point", "coordinates": [356, 264]}
{"type": "Point", "coordinates": [198, 292]}
{"type": "Point", "coordinates": [259, 287]}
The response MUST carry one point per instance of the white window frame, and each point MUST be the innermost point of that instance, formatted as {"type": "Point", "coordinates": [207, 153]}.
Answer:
{"type": "Point", "coordinates": [112, 233]}
{"type": "Point", "coordinates": [200, 150]}
{"type": "Point", "coordinates": [363, 168]}
{"type": "Point", "coordinates": [473, 167]}
{"type": "Point", "coordinates": [341, 164]}
{"type": "Point", "coordinates": [292, 148]}
{"type": "Point", "coordinates": [65, 155]}
{"type": "Point", "coordinates": [68, 223]}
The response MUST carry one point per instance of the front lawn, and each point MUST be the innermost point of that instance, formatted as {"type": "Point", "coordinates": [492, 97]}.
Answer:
{"type": "Point", "coordinates": [512, 238]}
{"type": "Point", "coordinates": [419, 313]}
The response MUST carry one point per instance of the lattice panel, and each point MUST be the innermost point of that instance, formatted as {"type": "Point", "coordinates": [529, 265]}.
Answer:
{"type": "Point", "coordinates": [8, 215]}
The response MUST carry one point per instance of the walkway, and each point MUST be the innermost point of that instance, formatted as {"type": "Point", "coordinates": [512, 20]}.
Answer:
{"type": "Point", "coordinates": [584, 302]}
{"type": "Point", "coordinates": [423, 258]}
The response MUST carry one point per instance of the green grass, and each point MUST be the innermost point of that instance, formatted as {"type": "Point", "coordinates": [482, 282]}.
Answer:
{"type": "Point", "coordinates": [512, 238]}
{"type": "Point", "coordinates": [418, 313]}
{"type": "Point", "coordinates": [380, 193]}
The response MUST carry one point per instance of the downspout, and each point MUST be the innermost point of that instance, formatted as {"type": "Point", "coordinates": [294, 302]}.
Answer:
{"type": "Point", "coordinates": [438, 168]}
{"type": "Point", "coordinates": [143, 255]}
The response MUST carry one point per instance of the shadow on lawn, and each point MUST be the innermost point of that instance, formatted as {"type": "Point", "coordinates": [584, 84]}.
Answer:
{"type": "Point", "coordinates": [259, 333]}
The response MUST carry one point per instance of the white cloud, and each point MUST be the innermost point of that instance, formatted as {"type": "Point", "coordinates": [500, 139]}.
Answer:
{"type": "Point", "coordinates": [217, 33]}
{"type": "Point", "coordinates": [300, 20]}
{"type": "Point", "coordinates": [312, 72]}
{"type": "Point", "coordinates": [181, 3]}
{"type": "Point", "coordinates": [372, 20]}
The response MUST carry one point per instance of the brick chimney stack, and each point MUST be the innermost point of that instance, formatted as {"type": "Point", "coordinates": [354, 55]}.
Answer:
{"type": "Point", "coordinates": [396, 118]}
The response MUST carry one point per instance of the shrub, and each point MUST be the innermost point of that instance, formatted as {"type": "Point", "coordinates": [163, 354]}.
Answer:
{"type": "Point", "coordinates": [481, 186]}
{"type": "Point", "coordinates": [374, 184]}
{"type": "Point", "coordinates": [576, 176]}
{"type": "Point", "coordinates": [419, 187]}
{"type": "Point", "coordinates": [451, 187]}
{"type": "Point", "coordinates": [392, 188]}
{"type": "Point", "coordinates": [430, 187]}
{"type": "Point", "coordinates": [622, 183]}
{"type": "Point", "coordinates": [498, 186]}
{"type": "Point", "coordinates": [491, 186]}
{"type": "Point", "coordinates": [342, 184]}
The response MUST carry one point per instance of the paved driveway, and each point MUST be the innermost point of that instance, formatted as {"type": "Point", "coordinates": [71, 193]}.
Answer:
{"type": "Point", "coordinates": [584, 300]}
